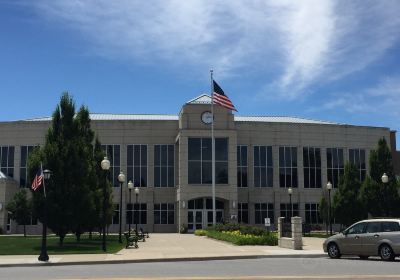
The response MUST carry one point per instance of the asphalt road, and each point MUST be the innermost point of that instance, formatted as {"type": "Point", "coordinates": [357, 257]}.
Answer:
{"type": "Point", "coordinates": [273, 268]}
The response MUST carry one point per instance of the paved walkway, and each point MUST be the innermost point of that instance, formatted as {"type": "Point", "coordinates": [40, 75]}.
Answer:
{"type": "Point", "coordinates": [173, 247]}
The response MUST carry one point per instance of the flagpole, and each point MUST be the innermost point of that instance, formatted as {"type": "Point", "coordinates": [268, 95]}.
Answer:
{"type": "Point", "coordinates": [213, 149]}
{"type": "Point", "coordinates": [44, 185]}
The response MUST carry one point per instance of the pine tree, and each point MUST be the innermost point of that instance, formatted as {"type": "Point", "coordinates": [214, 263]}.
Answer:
{"type": "Point", "coordinates": [381, 199]}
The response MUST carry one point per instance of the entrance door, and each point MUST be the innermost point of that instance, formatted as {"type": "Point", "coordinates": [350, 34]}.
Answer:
{"type": "Point", "coordinates": [195, 220]}
{"type": "Point", "coordinates": [200, 213]}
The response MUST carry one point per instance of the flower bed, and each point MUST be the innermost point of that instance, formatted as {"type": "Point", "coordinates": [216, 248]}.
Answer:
{"type": "Point", "coordinates": [240, 234]}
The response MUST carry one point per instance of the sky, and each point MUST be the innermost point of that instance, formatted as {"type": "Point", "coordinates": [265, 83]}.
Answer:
{"type": "Point", "coordinates": [333, 60]}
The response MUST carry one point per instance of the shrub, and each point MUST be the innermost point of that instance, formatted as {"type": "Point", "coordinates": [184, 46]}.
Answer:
{"type": "Point", "coordinates": [245, 229]}
{"type": "Point", "coordinates": [200, 232]}
{"type": "Point", "coordinates": [238, 238]}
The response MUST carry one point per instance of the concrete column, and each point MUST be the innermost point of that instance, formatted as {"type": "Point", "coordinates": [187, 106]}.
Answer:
{"type": "Point", "coordinates": [297, 233]}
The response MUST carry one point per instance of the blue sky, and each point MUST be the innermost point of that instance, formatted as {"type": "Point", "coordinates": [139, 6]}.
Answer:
{"type": "Point", "coordinates": [320, 59]}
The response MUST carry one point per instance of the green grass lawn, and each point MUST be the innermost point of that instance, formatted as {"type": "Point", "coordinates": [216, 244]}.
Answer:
{"type": "Point", "coordinates": [31, 245]}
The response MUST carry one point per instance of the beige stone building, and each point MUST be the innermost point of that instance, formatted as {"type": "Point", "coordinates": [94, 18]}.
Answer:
{"type": "Point", "coordinates": [169, 158]}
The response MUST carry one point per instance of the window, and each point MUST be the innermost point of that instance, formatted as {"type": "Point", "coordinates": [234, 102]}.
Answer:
{"type": "Point", "coordinates": [312, 213]}
{"type": "Point", "coordinates": [23, 170]}
{"type": "Point", "coordinates": [115, 217]}
{"type": "Point", "coordinates": [137, 215]}
{"type": "Point", "coordinates": [164, 213]}
{"type": "Point", "coordinates": [390, 226]}
{"type": "Point", "coordinates": [242, 166]}
{"type": "Point", "coordinates": [8, 226]}
{"type": "Point", "coordinates": [113, 154]}
{"type": "Point", "coordinates": [262, 211]}
{"type": "Point", "coordinates": [287, 212]}
{"type": "Point", "coordinates": [357, 157]}
{"type": "Point", "coordinates": [312, 167]}
{"type": "Point", "coordinates": [373, 227]}
{"type": "Point", "coordinates": [335, 164]}
{"type": "Point", "coordinates": [243, 213]}
{"type": "Point", "coordinates": [137, 165]}
{"type": "Point", "coordinates": [288, 167]}
{"type": "Point", "coordinates": [7, 160]}
{"type": "Point", "coordinates": [263, 166]}
{"type": "Point", "coordinates": [357, 229]}
{"type": "Point", "coordinates": [199, 161]}
{"type": "Point", "coordinates": [164, 175]}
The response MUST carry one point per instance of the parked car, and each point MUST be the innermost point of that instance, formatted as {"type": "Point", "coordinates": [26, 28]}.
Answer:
{"type": "Point", "coordinates": [377, 237]}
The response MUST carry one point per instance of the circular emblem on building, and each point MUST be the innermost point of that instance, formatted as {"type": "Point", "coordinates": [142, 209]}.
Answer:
{"type": "Point", "coordinates": [206, 117]}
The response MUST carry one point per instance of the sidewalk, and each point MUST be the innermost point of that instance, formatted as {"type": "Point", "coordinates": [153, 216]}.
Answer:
{"type": "Point", "coordinates": [161, 247]}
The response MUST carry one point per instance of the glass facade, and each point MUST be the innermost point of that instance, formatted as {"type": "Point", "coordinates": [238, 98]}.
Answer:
{"type": "Point", "coordinates": [288, 167]}
{"type": "Point", "coordinates": [7, 160]}
{"type": "Point", "coordinates": [113, 154]}
{"type": "Point", "coordinates": [164, 172]}
{"type": "Point", "coordinates": [243, 213]}
{"type": "Point", "coordinates": [262, 211]}
{"type": "Point", "coordinates": [312, 213]}
{"type": "Point", "coordinates": [242, 166]}
{"type": "Point", "coordinates": [263, 170]}
{"type": "Point", "coordinates": [357, 157]}
{"type": "Point", "coordinates": [137, 165]}
{"type": "Point", "coordinates": [335, 165]}
{"type": "Point", "coordinates": [286, 211]}
{"type": "Point", "coordinates": [199, 161]}
{"type": "Point", "coordinates": [136, 213]}
{"type": "Point", "coordinates": [164, 213]}
{"type": "Point", "coordinates": [312, 167]}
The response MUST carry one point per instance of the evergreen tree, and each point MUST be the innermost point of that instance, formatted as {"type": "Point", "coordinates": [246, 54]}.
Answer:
{"type": "Point", "coordinates": [20, 208]}
{"type": "Point", "coordinates": [347, 207]}
{"type": "Point", "coordinates": [381, 199]}
{"type": "Point", "coordinates": [68, 153]}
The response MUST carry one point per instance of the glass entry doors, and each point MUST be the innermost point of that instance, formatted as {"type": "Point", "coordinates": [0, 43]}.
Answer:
{"type": "Point", "coordinates": [200, 213]}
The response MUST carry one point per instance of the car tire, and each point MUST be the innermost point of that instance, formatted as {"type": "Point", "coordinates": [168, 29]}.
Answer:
{"type": "Point", "coordinates": [333, 251]}
{"type": "Point", "coordinates": [364, 257]}
{"type": "Point", "coordinates": [386, 252]}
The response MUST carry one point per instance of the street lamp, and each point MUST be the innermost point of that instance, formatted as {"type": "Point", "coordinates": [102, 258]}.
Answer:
{"type": "Point", "coordinates": [121, 180]}
{"type": "Point", "coordinates": [329, 188]}
{"type": "Point", "coordinates": [105, 165]}
{"type": "Point", "coordinates": [290, 192]}
{"type": "Point", "coordinates": [44, 257]}
{"type": "Point", "coordinates": [137, 194]}
{"type": "Point", "coordinates": [130, 187]}
{"type": "Point", "coordinates": [385, 180]}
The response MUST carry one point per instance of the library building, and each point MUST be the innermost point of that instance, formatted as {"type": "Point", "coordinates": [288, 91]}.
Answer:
{"type": "Point", "coordinates": [258, 159]}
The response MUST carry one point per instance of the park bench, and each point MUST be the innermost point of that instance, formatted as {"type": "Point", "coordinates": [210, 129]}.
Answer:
{"type": "Point", "coordinates": [140, 235]}
{"type": "Point", "coordinates": [144, 232]}
{"type": "Point", "coordinates": [131, 240]}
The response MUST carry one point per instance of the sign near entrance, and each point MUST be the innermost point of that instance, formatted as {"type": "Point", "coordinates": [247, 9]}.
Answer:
{"type": "Point", "coordinates": [267, 222]}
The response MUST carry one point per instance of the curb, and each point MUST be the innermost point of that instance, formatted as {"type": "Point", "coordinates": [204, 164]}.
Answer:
{"type": "Point", "coordinates": [187, 259]}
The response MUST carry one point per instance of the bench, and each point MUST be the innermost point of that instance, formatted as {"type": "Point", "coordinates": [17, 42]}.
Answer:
{"type": "Point", "coordinates": [131, 240]}
{"type": "Point", "coordinates": [140, 235]}
{"type": "Point", "coordinates": [144, 232]}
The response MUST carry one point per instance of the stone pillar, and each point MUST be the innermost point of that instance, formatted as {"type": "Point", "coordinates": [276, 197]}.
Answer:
{"type": "Point", "coordinates": [280, 224]}
{"type": "Point", "coordinates": [297, 233]}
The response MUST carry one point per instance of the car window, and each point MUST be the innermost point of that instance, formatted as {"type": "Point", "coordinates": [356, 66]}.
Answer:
{"type": "Point", "coordinates": [357, 229]}
{"type": "Point", "coordinates": [390, 226]}
{"type": "Point", "coordinates": [373, 227]}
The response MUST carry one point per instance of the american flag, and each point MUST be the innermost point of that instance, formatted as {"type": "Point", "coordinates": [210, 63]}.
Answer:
{"type": "Point", "coordinates": [220, 98]}
{"type": "Point", "coordinates": [38, 180]}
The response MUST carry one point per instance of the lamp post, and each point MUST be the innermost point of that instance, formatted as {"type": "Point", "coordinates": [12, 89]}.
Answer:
{"type": "Point", "coordinates": [44, 257]}
{"type": "Point", "coordinates": [137, 194]}
{"type": "Point", "coordinates": [105, 165]}
{"type": "Point", "coordinates": [121, 180]}
{"type": "Point", "coordinates": [385, 180]}
{"type": "Point", "coordinates": [329, 188]}
{"type": "Point", "coordinates": [290, 192]}
{"type": "Point", "coordinates": [130, 187]}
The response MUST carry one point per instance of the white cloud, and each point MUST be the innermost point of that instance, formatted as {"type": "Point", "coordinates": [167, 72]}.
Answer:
{"type": "Point", "coordinates": [303, 43]}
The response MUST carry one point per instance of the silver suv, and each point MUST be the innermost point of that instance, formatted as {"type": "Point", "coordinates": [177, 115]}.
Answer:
{"type": "Point", "coordinates": [378, 237]}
